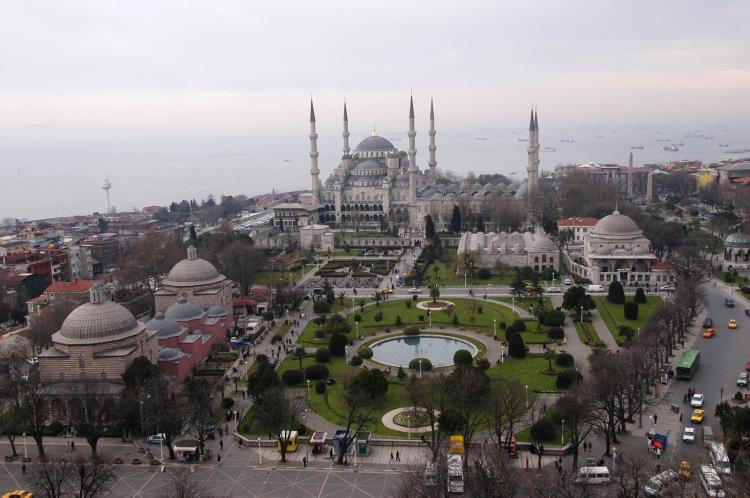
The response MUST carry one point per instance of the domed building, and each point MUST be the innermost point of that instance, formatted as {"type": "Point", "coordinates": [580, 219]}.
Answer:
{"type": "Point", "coordinates": [197, 280]}
{"type": "Point", "coordinates": [97, 341]}
{"type": "Point", "coordinates": [737, 251]}
{"type": "Point", "coordinates": [616, 249]}
{"type": "Point", "coordinates": [535, 250]}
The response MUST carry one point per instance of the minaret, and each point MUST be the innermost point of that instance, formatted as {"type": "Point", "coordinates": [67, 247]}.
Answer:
{"type": "Point", "coordinates": [106, 186]}
{"type": "Point", "coordinates": [532, 169]}
{"type": "Point", "coordinates": [630, 174]}
{"type": "Point", "coordinates": [314, 171]}
{"type": "Point", "coordinates": [345, 133]}
{"type": "Point", "coordinates": [432, 163]}
{"type": "Point", "coordinates": [412, 156]}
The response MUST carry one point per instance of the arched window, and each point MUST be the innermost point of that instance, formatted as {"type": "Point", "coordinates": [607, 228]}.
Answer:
{"type": "Point", "coordinates": [536, 260]}
{"type": "Point", "coordinates": [544, 258]}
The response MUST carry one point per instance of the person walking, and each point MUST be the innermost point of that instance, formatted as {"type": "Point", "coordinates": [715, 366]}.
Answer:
{"type": "Point", "coordinates": [398, 456]}
{"type": "Point", "coordinates": [221, 445]}
{"type": "Point", "coordinates": [391, 457]}
{"type": "Point", "coordinates": [218, 459]}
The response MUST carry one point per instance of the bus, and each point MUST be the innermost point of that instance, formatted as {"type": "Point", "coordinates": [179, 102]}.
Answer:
{"type": "Point", "coordinates": [688, 364]}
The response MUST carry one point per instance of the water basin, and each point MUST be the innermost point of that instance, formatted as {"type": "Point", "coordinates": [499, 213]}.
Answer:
{"type": "Point", "coordinates": [399, 351]}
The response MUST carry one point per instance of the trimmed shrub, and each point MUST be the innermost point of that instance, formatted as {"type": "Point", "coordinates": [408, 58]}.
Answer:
{"type": "Point", "coordinates": [365, 353]}
{"type": "Point", "coordinates": [626, 332]}
{"type": "Point", "coordinates": [483, 364]}
{"type": "Point", "coordinates": [292, 377]}
{"type": "Point", "coordinates": [502, 325]}
{"type": "Point", "coordinates": [401, 374]}
{"type": "Point", "coordinates": [321, 306]}
{"type": "Point", "coordinates": [420, 318]}
{"type": "Point", "coordinates": [426, 364]}
{"type": "Point", "coordinates": [227, 403]}
{"type": "Point", "coordinates": [516, 347]}
{"type": "Point", "coordinates": [320, 387]}
{"type": "Point", "coordinates": [567, 378]}
{"type": "Point", "coordinates": [479, 310]}
{"type": "Point", "coordinates": [317, 372]}
{"type": "Point", "coordinates": [413, 330]}
{"type": "Point", "coordinates": [564, 360]}
{"type": "Point", "coordinates": [616, 294]}
{"type": "Point", "coordinates": [630, 310]}
{"type": "Point", "coordinates": [399, 321]}
{"type": "Point", "coordinates": [322, 355]}
{"type": "Point", "coordinates": [378, 316]}
{"type": "Point", "coordinates": [268, 316]}
{"type": "Point", "coordinates": [519, 326]}
{"type": "Point", "coordinates": [373, 382]}
{"type": "Point", "coordinates": [640, 295]}
{"type": "Point", "coordinates": [54, 429]}
{"type": "Point", "coordinates": [408, 304]}
{"type": "Point", "coordinates": [261, 358]}
{"type": "Point", "coordinates": [320, 334]}
{"type": "Point", "coordinates": [484, 274]}
{"type": "Point", "coordinates": [543, 430]}
{"type": "Point", "coordinates": [554, 318]}
{"type": "Point", "coordinates": [556, 333]}
{"type": "Point", "coordinates": [356, 361]}
{"type": "Point", "coordinates": [337, 345]}
{"type": "Point", "coordinates": [357, 318]}
{"type": "Point", "coordinates": [455, 320]}
{"type": "Point", "coordinates": [462, 357]}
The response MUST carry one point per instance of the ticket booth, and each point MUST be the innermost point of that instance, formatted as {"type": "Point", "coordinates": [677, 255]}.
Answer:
{"type": "Point", "coordinates": [362, 443]}
{"type": "Point", "coordinates": [318, 442]}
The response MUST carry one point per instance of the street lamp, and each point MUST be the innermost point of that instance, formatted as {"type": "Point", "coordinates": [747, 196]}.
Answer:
{"type": "Point", "coordinates": [562, 434]}
{"type": "Point", "coordinates": [308, 389]}
{"type": "Point", "coordinates": [420, 368]}
{"type": "Point", "coordinates": [429, 316]}
{"type": "Point", "coordinates": [494, 328]}
{"type": "Point", "coordinates": [527, 395]}
{"type": "Point", "coordinates": [465, 275]}
{"type": "Point", "coordinates": [502, 354]}
{"type": "Point", "coordinates": [236, 418]}
{"type": "Point", "coordinates": [614, 459]}
{"type": "Point", "coordinates": [513, 303]}
{"type": "Point", "coordinates": [356, 326]}
{"type": "Point", "coordinates": [581, 316]}
{"type": "Point", "coordinates": [25, 454]}
{"type": "Point", "coordinates": [721, 394]}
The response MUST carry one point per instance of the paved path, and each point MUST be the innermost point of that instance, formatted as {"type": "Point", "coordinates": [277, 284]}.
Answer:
{"type": "Point", "coordinates": [604, 334]}
{"type": "Point", "coordinates": [573, 343]}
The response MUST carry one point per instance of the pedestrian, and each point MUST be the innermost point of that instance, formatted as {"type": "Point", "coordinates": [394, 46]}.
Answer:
{"type": "Point", "coordinates": [680, 416]}
{"type": "Point", "coordinates": [398, 456]}
{"type": "Point", "coordinates": [218, 459]}
{"type": "Point", "coordinates": [304, 461]}
{"type": "Point", "coordinates": [656, 417]}
{"type": "Point", "coordinates": [23, 468]}
{"type": "Point", "coordinates": [72, 446]}
{"type": "Point", "coordinates": [221, 445]}
{"type": "Point", "coordinates": [391, 457]}
{"type": "Point", "coordinates": [684, 399]}
{"type": "Point", "coordinates": [331, 454]}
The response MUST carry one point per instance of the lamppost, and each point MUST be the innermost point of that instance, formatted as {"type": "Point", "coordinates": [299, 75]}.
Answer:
{"type": "Point", "coordinates": [260, 454]}
{"type": "Point", "coordinates": [465, 275]}
{"type": "Point", "coordinates": [308, 389]}
{"type": "Point", "coordinates": [236, 418]}
{"type": "Point", "coordinates": [527, 395]}
{"type": "Point", "coordinates": [614, 459]}
{"type": "Point", "coordinates": [494, 328]}
{"type": "Point", "coordinates": [581, 316]}
{"type": "Point", "coordinates": [356, 326]}
{"type": "Point", "coordinates": [513, 303]}
{"type": "Point", "coordinates": [721, 394]}
{"type": "Point", "coordinates": [420, 368]}
{"type": "Point", "coordinates": [25, 454]}
{"type": "Point", "coordinates": [502, 354]}
{"type": "Point", "coordinates": [562, 434]}
{"type": "Point", "coordinates": [429, 317]}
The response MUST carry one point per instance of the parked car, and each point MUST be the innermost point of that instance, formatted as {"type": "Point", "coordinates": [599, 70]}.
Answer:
{"type": "Point", "coordinates": [696, 401]}
{"type": "Point", "coordinates": [708, 333]}
{"type": "Point", "coordinates": [567, 281]}
{"type": "Point", "coordinates": [553, 290]}
{"type": "Point", "coordinates": [747, 311]}
{"type": "Point", "coordinates": [414, 290]}
{"type": "Point", "coordinates": [742, 379]}
{"type": "Point", "coordinates": [666, 288]}
{"type": "Point", "coordinates": [667, 369]}
{"type": "Point", "coordinates": [156, 438]}
{"type": "Point", "coordinates": [688, 434]}
{"type": "Point", "coordinates": [698, 416]}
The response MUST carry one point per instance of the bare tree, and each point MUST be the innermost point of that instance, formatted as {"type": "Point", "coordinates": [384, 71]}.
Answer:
{"type": "Point", "coordinates": [360, 408]}
{"type": "Point", "coordinates": [431, 395]}
{"type": "Point", "coordinates": [279, 411]}
{"type": "Point", "coordinates": [90, 408]}
{"type": "Point", "coordinates": [49, 478]}
{"type": "Point", "coordinates": [15, 367]}
{"type": "Point", "coordinates": [150, 258]}
{"type": "Point", "coordinates": [490, 474]}
{"type": "Point", "coordinates": [79, 478]}
{"type": "Point", "coordinates": [35, 406]}
{"type": "Point", "coordinates": [469, 387]}
{"type": "Point", "coordinates": [161, 408]}
{"type": "Point", "coordinates": [631, 473]}
{"type": "Point", "coordinates": [506, 407]}
{"type": "Point", "coordinates": [242, 262]}
{"type": "Point", "coordinates": [49, 322]}
{"type": "Point", "coordinates": [90, 478]}
{"type": "Point", "coordinates": [184, 485]}
{"type": "Point", "coordinates": [421, 483]}
{"type": "Point", "coordinates": [200, 412]}
{"type": "Point", "coordinates": [576, 409]}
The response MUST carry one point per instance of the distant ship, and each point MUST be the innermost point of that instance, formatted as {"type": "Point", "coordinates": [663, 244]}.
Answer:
{"type": "Point", "coordinates": [708, 137]}
{"type": "Point", "coordinates": [287, 160]}
{"type": "Point", "coordinates": [723, 145]}
{"type": "Point", "coordinates": [549, 149]}
{"type": "Point", "coordinates": [481, 138]}
{"type": "Point", "coordinates": [693, 134]}
{"type": "Point", "coordinates": [737, 151]}
{"type": "Point", "coordinates": [523, 139]}
{"type": "Point", "coordinates": [679, 144]}
{"type": "Point", "coordinates": [637, 147]}
{"type": "Point", "coordinates": [567, 140]}
{"type": "Point", "coordinates": [663, 139]}
{"type": "Point", "coordinates": [670, 148]}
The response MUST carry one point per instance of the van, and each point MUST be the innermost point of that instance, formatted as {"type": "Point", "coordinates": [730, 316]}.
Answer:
{"type": "Point", "coordinates": [592, 475]}
{"type": "Point", "coordinates": [595, 288]}
{"type": "Point", "coordinates": [708, 435]}
{"type": "Point", "coordinates": [660, 482]}
{"type": "Point", "coordinates": [711, 482]}
{"type": "Point", "coordinates": [719, 458]}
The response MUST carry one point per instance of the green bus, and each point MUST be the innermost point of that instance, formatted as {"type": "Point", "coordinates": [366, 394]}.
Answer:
{"type": "Point", "coordinates": [688, 364]}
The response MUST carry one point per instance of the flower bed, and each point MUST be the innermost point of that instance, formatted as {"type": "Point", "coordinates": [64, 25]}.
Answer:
{"type": "Point", "coordinates": [412, 418]}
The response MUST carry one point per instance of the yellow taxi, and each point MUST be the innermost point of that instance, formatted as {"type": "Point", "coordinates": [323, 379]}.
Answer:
{"type": "Point", "coordinates": [385, 290]}
{"type": "Point", "coordinates": [732, 324]}
{"type": "Point", "coordinates": [708, 333]}
{"type": "Point", "coordinates": [697, 416]}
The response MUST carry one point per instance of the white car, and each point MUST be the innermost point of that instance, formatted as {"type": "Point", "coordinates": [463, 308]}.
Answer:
{"type": "Point", "coordinates": [666, 288]}
{"type": "Point", "coordinates": [696, 401]}
{"type": "Point", "coordinates": [156, 438]}
{"type": "Point", "coordinates": [567, 281]}
{"type": "Point", "coordinates": [742, 379]}
{"type": "Point", "coordinates": [553, 290]}
{"type": "Point", "coordinates": [414, 290]}
{"type": "Point", "coordinates": [689, 434]}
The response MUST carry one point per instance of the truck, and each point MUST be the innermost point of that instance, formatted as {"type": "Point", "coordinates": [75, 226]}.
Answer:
{"type": "Point", "coordinates": [455, 474]}
{"type": "Point", "coordinates": [595, 288]}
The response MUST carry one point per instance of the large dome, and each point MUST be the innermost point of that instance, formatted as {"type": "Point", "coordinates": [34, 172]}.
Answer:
{"type": "Point", "coordinates": [193, 271]}
{"type": "Point", "coordinates": [163, 326]}
{"type": "Point", "coordinates": [183, 310]}
{"type": "Point", "coordinates": [98, 321]}
{"type": "Point", "coordinates": [541, 243]}
{"type": "Point", "coordinates": [737, 239]}
{"type": "Point", "coordinates": [374, 142]}
{"type": "Point", "coordinates": [616, 224]}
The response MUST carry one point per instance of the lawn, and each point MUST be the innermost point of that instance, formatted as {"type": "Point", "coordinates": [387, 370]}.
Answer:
{"type": "Point", "coordinates": [528, 371]}
{"type": "Point", "coordinates": [446, 276]}
{"type": "Point", "coordinates": [271, 278]}
{"type": "Point", "coordinates": [596, 341]}
{"type": "Point", "coordinates": [527, 302]}
{"type": "Point", "coordinates": [613, 315]}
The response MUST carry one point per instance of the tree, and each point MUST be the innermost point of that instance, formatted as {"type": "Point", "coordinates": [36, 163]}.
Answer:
{"type": "Point", "coordinates": [469, 387]}
{"type": "Point", "coordinates": [516, 347]}
{"type": "Point", "coordinates": [372, 382]}
{"type": "Point", "coordinates": [49, 322]}
{"type": "Point", "coordinates": [160, 408]}
{"type": "Point", "coordinates": [640, 296]}
{"type": "Point", "coordinates": [431, 396]}
{"type": "Point", "coordinates": [337, 344]}
{"type": "Point", "coordinates": [262, 377]}
{"type": "Point", "coordinates": [630, 311]}
{"type": "Point", "coordinates": [462, 357]}
{"type": "Point", "coordinates": [435, 293]}
{"type": "Point", "coordinates": [576, 298]}
{"type": "Point", "coordinates": [90, 409]}
{"type": "Point", "coordinates": [576, 409]}
{"type": "Point", "coordinates": [299, 353]}
{"type": "Point", "coordinates": [429, 228]}
{"type": "Point", "coordinates": [688, 263]}
{"type": "Point", "coordinates": [34, 404]}
{"type": "Point", "coordinates": [184, 485]}
{"type": "Point", "coordinates": [242, 262]}
{"type": "Point", "coordinates": [456, 225]}
{"type": "Point", "coordinates": [150, 258]}
{"type": "Point", "coordinates": [279, 412]}
{"type": "Point", "coordinates": [506, 406]}
{"type": "Point", "coordinates": [79, 478]}
{"type": "Point", "coordinates": [193, 235]}
{"type": "Point", "coordinates": [360, 408]}
{"type": "Point", "coordinates": [616, 294]}
{"type": "Point", "coordinates": [140, 372]}
{"type": "Point", "coordinates": [200, 413]}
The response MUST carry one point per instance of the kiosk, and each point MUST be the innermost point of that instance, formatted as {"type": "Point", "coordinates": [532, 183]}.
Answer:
{"type": "Point", "coordinates": [318, 442]}
{"type": "Point", "coordinates": [362, 444]}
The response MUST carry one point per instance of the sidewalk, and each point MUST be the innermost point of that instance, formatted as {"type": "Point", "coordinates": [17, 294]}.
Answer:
{"type": "Point", "coordinates": [604, 334]}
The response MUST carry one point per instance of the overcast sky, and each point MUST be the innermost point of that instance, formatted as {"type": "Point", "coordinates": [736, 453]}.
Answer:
{"type": "Point", "coordinates": [222, 66]}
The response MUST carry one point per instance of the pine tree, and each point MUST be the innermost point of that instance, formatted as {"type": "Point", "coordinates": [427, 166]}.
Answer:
{"type": "Point", "coordinates": [480, 224]}
{"type": "Point", "coordinates": [456, 220]}
{"type": "Point", "coordinates": [429, 228]}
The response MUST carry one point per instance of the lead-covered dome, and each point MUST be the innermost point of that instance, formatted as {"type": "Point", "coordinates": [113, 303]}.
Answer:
{"type": "Point", "coordinates": [163, 326]}
{"type": "Point", "coordinates": [192, 271]}
{"type": "Point", "coordinates": [541, 243]}
{"type": "Point", "coordinates": [737, 239]}
{"type": "Point", "coordinates": [99, 320]}
{"type": "Point", "coordinates": [616, 224]}
{"type": "Point", "coordinates": [375, 143]}
{"type": "Point", "coordinates": [183, 310]}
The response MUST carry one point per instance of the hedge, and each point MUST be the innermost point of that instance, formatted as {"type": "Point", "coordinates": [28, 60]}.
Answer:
{"type": "Point", "coordinates": [426, 364]}
{"type": "Point", "coordinates": [292, 377]}
{"type": "Point", "coordinates": [322, 355]}
{"type": "Point", "coordinates": [316, 372]}
{"type": "Point", "coordinates": [365, 353]}
{"type": "Point", "coordinates": [462, 357]}
{"type": "Point", "coordinates": [556, 333]}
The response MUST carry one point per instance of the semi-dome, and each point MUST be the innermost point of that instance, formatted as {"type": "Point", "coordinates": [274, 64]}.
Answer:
{"type": "Point", "coordinates": [737, 239]}
{"type": "Point", "coordinates": [616, 224]}
{"type": "Point", "coordinates": [193, 271]}
{"type": "Point", "coordinates": [375, 143]}
{"type": "Point", "coordinates": [99, 320]}
{"type": "Point", "coordinates": [163, 326]}
{"type": "Point", "coordinates": [369, 166]}
{"type": "Point", "coordinates": [183, 310]}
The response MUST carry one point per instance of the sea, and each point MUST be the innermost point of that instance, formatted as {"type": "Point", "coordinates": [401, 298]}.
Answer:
{"type": "Point", "coordinates": [44, 178]}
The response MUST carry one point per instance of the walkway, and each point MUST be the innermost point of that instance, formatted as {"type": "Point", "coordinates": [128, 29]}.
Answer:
{"type": "Point", "coordinates": [604, 334]}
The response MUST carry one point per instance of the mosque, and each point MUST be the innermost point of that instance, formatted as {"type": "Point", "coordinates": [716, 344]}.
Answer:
{"type": "Point", "coordinates": [376, 183]}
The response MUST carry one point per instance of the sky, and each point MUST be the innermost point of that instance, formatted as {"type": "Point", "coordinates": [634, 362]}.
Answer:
{"type": "Point", "coordinates": [223, 66]}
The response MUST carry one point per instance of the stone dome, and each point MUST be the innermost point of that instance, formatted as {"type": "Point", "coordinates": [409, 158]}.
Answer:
{"type": "Point", "coordinates": [369, 166]}
{"type": "Point", "coordinates": [375, 143]}
{"type": "Point", "coordinates": [217, 312]}
{"type": "Point", "coordinates": [163, 326]}
{"type": "Point", "coordinates": [170, 354]}
{"type": "Point", "coordinates": [183, 310]}
{"type": "Point", "coordinates": [737, 239]}
{"type": "Point", "coordinates": [192, 271]}
{"type": "Point", "coordinates": [616, 224]}
{"type": "Point", "coordinates": [99, 320]}
{"type": "Point", "coordinates": [541, 243]}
